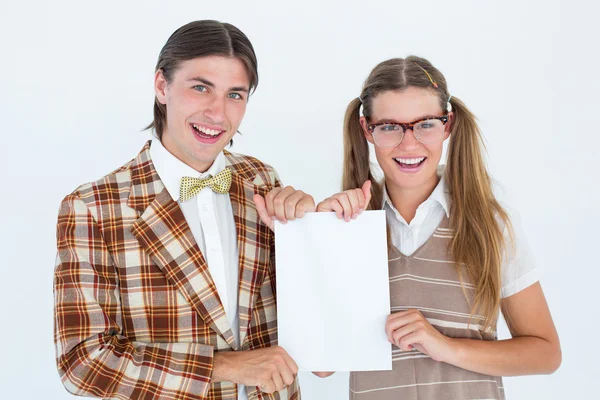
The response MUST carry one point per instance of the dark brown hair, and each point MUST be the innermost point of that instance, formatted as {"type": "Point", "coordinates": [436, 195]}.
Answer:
{"type": "Point", "coordinates": [201, 39]}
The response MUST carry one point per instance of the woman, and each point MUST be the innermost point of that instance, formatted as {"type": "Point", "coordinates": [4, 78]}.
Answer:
{"type": "Point", "coordinates": [454, 261]}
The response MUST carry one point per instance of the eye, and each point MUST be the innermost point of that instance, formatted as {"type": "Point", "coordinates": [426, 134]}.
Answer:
{"type": "Point", "coordinates": [389, 128]}
{"type": "Point", "coordinates": [427, 124]}
{"type": "Point", "coordinates": [200, 88]}
{"type": "Point", "coordinates": [235, 96]}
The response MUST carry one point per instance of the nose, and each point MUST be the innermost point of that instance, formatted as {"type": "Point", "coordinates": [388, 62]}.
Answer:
{"type": "Point", "coordinates": [409, 141]}
{"type": "Point", "coordinates": [215, 110]}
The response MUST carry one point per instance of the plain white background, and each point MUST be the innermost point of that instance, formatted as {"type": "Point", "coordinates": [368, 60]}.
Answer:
{"type": "Point", "coordinates": [77, 90]}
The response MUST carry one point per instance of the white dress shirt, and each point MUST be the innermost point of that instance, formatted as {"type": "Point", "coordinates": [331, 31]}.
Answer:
{"type": "Point", "coordinates": [210, 218]}
{"type": "Point", "coordinates": [518, 269]}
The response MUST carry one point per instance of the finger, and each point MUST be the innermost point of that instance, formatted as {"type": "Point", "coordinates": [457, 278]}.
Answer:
{"type": "Point", "coordinates": [279, 203]}
{"type": "Point", "coordinates": [398, 334]}
{"type": "Point", "coordinates": [366, 189]}
{"type": "Point", "coordinates": [269, 197]}
{"type": "Point", "coordinates": [355, 201]}
{"type": "Point", "coordinates": [261, 208]}
{"type": "Point", "coordinates": [325, 205]}
{"type": "Point", "coordinates": [396, 315]}
{"type": "Point", "coordinates": [389, 331]}
{"type": "Point", "coordinates": [306, 204]}
{"type": "Point", "coordinates": [291, 364]}
{"type": "Point", "coordinates": [408, 342]}
{"type": "Point", "coordinates": [290, 204]}
{"type": "Point", "coordinates": [342, 198]}
{"type": "Point", "coordinates": [398, 320]}
{"type": "Point", "coordinates": [323, 374]}
{"type": "Point", "coordinates": [400, 314]}
{"type": "Point", "coordinates": [278, 382]}
{"type": "Point", "coordinates": [269, 387]}
{"type": "Point", "coordinates": [337, 207]}
{"type": "Point", "coordinates": [286, 375]}
{"type": "Point", "coordinates": [361, 199]}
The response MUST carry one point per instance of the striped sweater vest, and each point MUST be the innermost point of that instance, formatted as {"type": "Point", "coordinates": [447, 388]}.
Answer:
{"type": "Point", "coordinates": [428, 281]}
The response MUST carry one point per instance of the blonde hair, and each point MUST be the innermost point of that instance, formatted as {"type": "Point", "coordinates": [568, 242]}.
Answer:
{"type": "Point", "coordinates": [475, 214]}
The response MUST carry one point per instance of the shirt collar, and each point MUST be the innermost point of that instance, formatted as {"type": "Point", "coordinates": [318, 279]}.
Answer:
{"type": "Point", "coordinates": [440, 195]}
{"type": "Point", "coordinates": [170, 169]}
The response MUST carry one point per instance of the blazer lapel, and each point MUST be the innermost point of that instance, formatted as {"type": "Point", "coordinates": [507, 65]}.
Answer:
{"type": "Point", "coordinates": [163, 232]}
{"type": "Point", "coordinates": [252, 241]}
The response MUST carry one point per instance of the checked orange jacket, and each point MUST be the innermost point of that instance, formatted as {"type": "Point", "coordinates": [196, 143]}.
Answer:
{"type": "Point", "coordinates": [137, 314]}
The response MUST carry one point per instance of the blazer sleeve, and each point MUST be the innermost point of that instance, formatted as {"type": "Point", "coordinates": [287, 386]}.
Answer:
{"type": "Point", "coordinates": [94, 357]}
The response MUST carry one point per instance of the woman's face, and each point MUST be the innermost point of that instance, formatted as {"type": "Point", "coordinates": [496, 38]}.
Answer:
{"type": "Point", "coordinates": [411, 164]}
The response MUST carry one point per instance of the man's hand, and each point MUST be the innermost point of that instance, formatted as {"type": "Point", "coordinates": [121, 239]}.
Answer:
{"type": "Point", "coordinates": [323, 374]}
{"type": "Point", "coordinates": [284, 204]}
{"type": "Point", "coordinates": [271, 368]}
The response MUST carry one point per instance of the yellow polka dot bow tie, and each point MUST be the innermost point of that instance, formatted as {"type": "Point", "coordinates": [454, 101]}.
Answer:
{"type": "Point", "coordinates": [220, 183]}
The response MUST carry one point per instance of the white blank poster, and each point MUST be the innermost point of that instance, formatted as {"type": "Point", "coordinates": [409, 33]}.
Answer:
{"type": "Point", "coordinates": [333, 292]}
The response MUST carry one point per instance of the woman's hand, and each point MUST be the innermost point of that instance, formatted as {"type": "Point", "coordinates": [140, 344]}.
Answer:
{"type": "Point", "coordinates": [349, 203]}
{"type": "Point", "coordinates": [410, 330]}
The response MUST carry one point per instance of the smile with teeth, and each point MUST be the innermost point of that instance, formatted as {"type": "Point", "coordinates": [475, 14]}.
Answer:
{"type": "Point", "coordinates": [206, 131]}
{"type": "Point", "coordinates": [410, 161]}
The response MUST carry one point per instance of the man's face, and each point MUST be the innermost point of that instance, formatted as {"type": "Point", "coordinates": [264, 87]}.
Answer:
{"type": "Point", "coordinates": [205, 101]}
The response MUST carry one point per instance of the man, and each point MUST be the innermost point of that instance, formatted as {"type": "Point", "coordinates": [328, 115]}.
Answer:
{"type": "Point", "coordinates": [165, 281]}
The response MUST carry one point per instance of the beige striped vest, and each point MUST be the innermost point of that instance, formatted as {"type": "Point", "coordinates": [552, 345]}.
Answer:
{"type": "Point", "coordinates": [428, 281]}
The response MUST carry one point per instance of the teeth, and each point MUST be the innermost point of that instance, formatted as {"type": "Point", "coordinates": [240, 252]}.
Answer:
{"type": "Point", "coordinates": [410, 161]}
{"type": "Point", "coordinates": [210, 132]}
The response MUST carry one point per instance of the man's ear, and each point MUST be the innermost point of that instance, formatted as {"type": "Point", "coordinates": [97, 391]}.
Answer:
{"type": "Point", "coordinates": [160, 87]}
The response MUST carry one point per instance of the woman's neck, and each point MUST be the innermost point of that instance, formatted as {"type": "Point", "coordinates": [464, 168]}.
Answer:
{"type": "Point", "coordinates": [407, 200]}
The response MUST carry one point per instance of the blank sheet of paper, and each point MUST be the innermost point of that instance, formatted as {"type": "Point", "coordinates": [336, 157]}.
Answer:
{"type": "Point", "coordinates": [333, 292]}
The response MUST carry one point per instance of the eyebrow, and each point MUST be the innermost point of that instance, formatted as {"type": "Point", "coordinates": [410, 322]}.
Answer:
{"type": "Point", "coordinates": [387, 120]}
{"type": "Point", "coordinates": [212, 85]}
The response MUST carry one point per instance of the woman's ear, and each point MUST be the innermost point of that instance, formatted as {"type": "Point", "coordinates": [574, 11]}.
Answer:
{"type": "Point", "coordinates": [366, 132]}
{"type": "Point", "coordinates": [448, 126]}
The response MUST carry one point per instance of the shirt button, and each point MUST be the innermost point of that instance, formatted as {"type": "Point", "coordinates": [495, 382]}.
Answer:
{"type": "Point", "coordinates": [205, 208]}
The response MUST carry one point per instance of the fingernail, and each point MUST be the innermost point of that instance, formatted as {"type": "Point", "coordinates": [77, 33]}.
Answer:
{"type": "Point", "coordinates": [274, 218]}
{"type": "Point", "coordinates": [354, 216]}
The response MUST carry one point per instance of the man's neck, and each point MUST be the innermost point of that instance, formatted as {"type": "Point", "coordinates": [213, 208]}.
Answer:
{"type": "Point", "coordinates": [198, 165]}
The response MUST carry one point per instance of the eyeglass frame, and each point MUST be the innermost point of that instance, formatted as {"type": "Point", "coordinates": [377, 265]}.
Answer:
{"type": "Point", "coordinates": [371, 127]}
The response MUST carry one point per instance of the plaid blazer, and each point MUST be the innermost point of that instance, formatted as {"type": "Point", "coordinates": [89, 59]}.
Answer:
{"type": "Point", "coordinates": [137, 314]}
